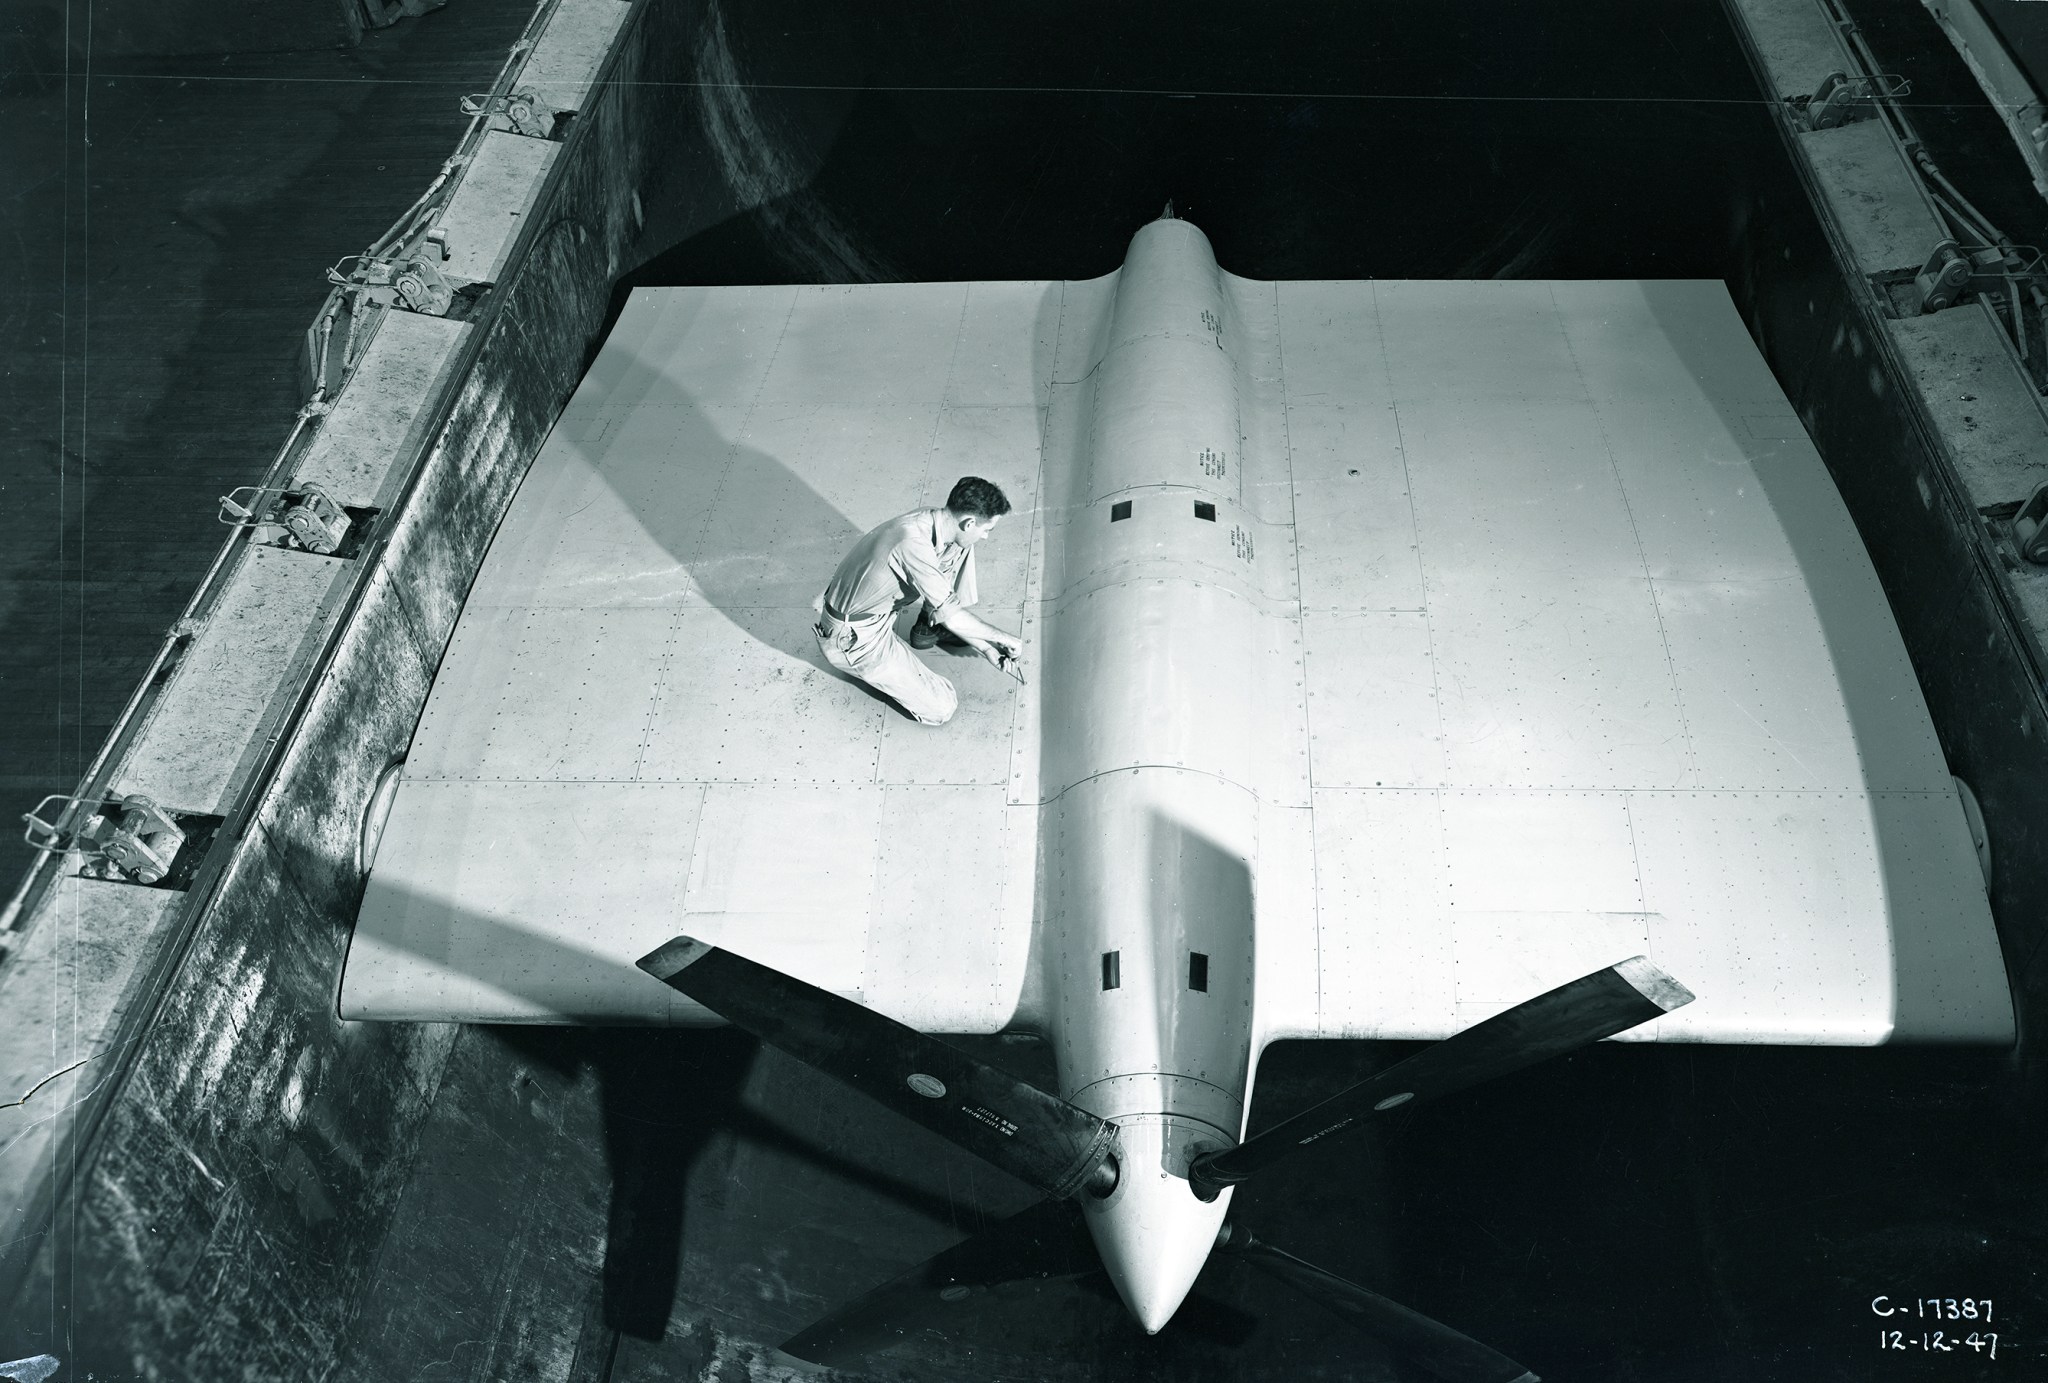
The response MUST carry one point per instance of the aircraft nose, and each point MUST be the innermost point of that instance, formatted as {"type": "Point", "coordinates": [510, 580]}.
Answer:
{"type": "Point", "coordinates": [1152, 1233]}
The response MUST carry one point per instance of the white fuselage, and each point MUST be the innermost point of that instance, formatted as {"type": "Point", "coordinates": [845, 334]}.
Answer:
{"type": "Point", "coordinates": [1153, 659]}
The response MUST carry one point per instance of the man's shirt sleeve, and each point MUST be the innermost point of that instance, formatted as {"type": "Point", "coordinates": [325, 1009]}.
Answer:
{"type": "Point", "coordinates": [920, 568]}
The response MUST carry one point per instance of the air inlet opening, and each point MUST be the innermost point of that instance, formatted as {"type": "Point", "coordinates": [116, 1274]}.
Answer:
{"type": "Point", "coordinates": [1198, 972]}
{"type": "Point", "coordinates": [1112, 969]}
{"type": "Point", "coordinates": [1205, 510]}
{"type": "Point", "coordinates": [1120, 510]}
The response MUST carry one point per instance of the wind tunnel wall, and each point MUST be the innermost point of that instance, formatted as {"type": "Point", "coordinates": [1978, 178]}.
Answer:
{"type": "Point", "coordinates": [1822, 330]}
{"type": "Point", "coordinates": [245, 1156]}
{"type": "Point", "coordinates": [214, 1205]}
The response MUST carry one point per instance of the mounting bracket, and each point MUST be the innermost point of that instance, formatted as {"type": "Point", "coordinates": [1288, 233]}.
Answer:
{"type": "Point", "coordinates": [1841, 99]}
{"type": "Point", "coordinates": [411, 282]}
{"type": "Point", "coordinates": [1951, 271]}
{"type": "Point", "coordinates": [132, 834]}
{"type": "Point", "coordinates": [522, 112]}
{"type": "Point", "coordinates": [311, 517]}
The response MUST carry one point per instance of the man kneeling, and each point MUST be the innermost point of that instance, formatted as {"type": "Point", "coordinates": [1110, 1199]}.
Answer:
{"type": "Point", "coordinates": [924, 556]}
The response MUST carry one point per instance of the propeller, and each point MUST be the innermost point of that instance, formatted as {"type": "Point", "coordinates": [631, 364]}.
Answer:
{"type": "Point", "coordinates": [1038, 1138]}
{"type": "Point", "coordinates": [1571, 1016]}
{"type": "Point", "coordinates": [1445, 1352]}
{"type": "Point", "coordinates": [1062, 1149]}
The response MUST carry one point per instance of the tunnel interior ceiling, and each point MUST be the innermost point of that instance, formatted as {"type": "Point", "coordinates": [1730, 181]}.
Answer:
{"type": "Point", "coordinates": [1449, 141]}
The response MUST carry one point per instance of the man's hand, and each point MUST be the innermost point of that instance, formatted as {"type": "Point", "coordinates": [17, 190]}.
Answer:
{"type": "Point", "coordinates": [999, 646]}
{"type": "Point", "coordinates": [1002, 654]}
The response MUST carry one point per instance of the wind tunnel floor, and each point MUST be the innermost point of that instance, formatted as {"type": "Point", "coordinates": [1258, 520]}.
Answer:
{"type": "Point", "coordinates": [652, 1207]}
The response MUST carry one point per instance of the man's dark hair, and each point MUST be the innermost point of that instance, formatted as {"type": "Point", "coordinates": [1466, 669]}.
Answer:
{"type": "Point", "coordinates": [978, 498]}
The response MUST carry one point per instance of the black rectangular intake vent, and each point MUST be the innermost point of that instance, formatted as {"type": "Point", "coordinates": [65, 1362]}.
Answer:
{"type": "Point", "coordinates": [1120, 510]}
{"type": "Point", "coordinates": [1112, 969]}
{"type": "Point", "coordinates": [1205, 510]}
{"type": "Point", "coordinates": [1198, 972]}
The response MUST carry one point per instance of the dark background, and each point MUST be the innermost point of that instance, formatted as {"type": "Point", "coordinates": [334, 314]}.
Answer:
{"type": "Point", "coordinates": [178, 175]}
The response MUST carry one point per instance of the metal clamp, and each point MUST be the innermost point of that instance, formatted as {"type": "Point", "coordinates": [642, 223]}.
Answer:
{"type": "Point", "coordinates": [523, 111]}
{"type": "Point", "coordinates": [134, 835]}
{"type": "Point", "coordinates": [308, 513]}
{"type": "Point", "coordinates": [1951, 271]}
{"type": "Point", "coordinates": [409, 281]}
{"type": "Point", "coordinates": [1841, 99]}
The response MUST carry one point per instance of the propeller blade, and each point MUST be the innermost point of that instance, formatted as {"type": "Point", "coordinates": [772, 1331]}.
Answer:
{"type": "Point", "coordinates": [1039, 1250]}
{"type": "Point", "coordinates": [1568, 1017]}
{"type": "Point", "coordinates": [1435, 1346]}
{"type": "Point", "coordinates": [1038, 1138]}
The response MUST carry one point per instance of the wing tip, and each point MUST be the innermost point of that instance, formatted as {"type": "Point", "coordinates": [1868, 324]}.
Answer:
{"type": "Point", "coordinates": [673, 957]}
{"type": "Point", "coordinates": [1653, 984]}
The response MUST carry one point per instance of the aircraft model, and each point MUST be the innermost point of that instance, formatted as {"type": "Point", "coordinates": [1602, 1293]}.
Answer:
{"type": "Point", "coordinates": [1409, 660]}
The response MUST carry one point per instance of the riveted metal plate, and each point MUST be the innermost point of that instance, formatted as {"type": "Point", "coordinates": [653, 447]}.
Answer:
{"type": "Point", "coordinates": [1492, 339]}
{"type": "Point", "coordinates": [857, 346]}
{"type": "Point", "coordinates": [972, 747]}
{"type": "Point", "coordinates": [804, 483]}
{"type": "Point", "coordinates": [1381, 878]}
{"type": "Point", "coordinates": [1813, 963]}
{"type": "Point", "coordinates": [1505, 958]}
{"type": "Point", "coordinates": [1353, 517]}
{"type": "Point", "coordinates": [1372, 681]}
{"type": "Point", "coordinates": [470, 917]}
{"type": "Point", "coordinates": [1949, 982]}
{"type": "Point", "coordinates": [574, 700]}
{"type": "Point", "coordinates": [929, 961]}
{"type": "Point", "coordinates": [1539, 852]}
{"type": "Point", "coordinates": [1762, 705]}
{"type": "Point", "coordinates": [1698, 507]}
{"type": "Point", "coordinates": [786, 876]}
{"type": "Point", "coordinates": [1514, 485]}
{"type": "Point", "coordinates": [1003, 350]}
{"type": "Point", "coordinates": [746, 697]}
{"type": "Point", "coordinates": [1559, 685]}
{"type": "Point", "coordinates": [1335, 346]}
